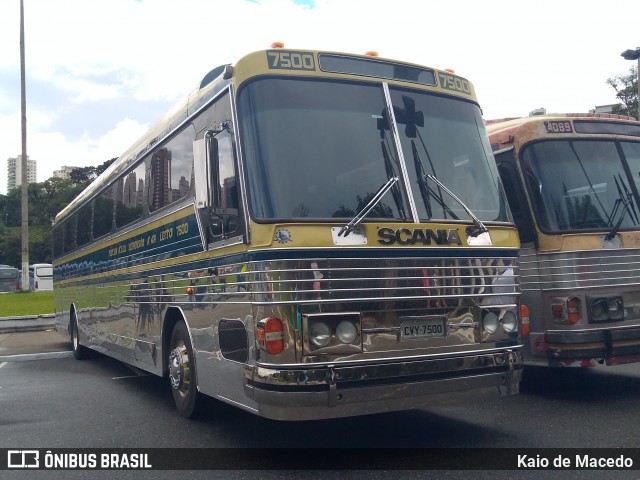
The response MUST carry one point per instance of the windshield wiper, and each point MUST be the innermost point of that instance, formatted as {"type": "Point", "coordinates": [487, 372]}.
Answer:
{"type": "Point", "coordinates": [422, 183]}
{"type": "Point", "coordinates": [472, 232]}
{"type": "Point", "coordinates": [391, 173]}
{"type": "Point", "coordinates": [626, 200]}
{"type": "Point", "coordinates": [348, 228]}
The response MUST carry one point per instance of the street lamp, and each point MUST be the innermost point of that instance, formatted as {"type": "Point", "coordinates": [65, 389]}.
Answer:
{"type": "Point", "coordinates": [634, 55]}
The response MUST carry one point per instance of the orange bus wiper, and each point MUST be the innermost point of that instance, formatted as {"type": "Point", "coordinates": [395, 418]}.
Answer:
{"type": "Point", "coordinates": [626, 200]}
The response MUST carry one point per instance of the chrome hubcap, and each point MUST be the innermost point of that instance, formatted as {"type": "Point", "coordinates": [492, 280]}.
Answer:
{"type": "Point", "coordinates": [179, 369]}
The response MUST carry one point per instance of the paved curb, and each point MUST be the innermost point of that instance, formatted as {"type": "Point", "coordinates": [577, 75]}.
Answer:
{"type": "Point", "coordinates": [30, 323]}
{"type": "Point", "coordinates": [34, 356]}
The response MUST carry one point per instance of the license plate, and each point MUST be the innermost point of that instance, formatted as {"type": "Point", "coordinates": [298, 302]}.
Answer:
{"type": "Point", "coordinates": [422, 327]}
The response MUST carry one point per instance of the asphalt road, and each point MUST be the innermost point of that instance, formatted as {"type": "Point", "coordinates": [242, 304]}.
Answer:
{"type": "Point", "coordinates": [100, 403]}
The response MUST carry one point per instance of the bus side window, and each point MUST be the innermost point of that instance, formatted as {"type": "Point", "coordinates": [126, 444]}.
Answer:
{"type": "Point", "coordinates": [517, 200]}
{"type": "Point", "coordinates": [225, 204]}
{"type": "Point", "coordinates": [103, 213]}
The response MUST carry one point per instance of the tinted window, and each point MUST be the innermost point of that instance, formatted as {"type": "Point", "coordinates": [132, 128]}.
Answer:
{"type": "Point", "coordinates": [577, 185]}
{"type": "Point", "coordinates": [103, 213]}
{"type": "Point", "coordinates": [313, 150]}
{"type": "Point", "coordinates": [85, 225]}
{"type": "Point", "coordinates": [171, 170]}
{"type": "Point", "coordinates": [130, 196]}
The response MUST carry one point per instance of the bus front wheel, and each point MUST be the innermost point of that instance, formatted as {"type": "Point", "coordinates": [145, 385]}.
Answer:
{"type": "Point", "coordinates": [182, 373]}
{"type": "Point", "coordinates": [79, 352]}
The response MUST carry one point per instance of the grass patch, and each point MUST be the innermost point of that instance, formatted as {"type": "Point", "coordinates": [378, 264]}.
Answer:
{"type": "Point", "coordinates": [23, 303]}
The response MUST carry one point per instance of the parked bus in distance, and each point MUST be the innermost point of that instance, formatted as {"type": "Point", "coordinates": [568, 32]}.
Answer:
{"type": "Point", "coordinates": [308, 235]}
{"type": "Point", "coordinates": [9, 279]}
{"type": "Point", "coordinates": [41, 276]}
{"type": "Point", "coordinates": [572, 182]}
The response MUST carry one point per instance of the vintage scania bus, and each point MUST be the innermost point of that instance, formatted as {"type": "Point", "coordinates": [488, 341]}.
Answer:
{"type": "Point", "coordinates": [572, 182]}
{"type": "Point", "coordinates": [308, 235]}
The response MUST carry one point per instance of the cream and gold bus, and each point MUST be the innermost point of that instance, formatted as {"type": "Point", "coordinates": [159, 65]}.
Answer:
{"type": "Point", "coordinates": [572, 182]}
{"type": "Point", "coordinates": [308, 235]}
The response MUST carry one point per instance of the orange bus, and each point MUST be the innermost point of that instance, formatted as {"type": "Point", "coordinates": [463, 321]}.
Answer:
{"type": "Point", "coordinates": [573, 183]}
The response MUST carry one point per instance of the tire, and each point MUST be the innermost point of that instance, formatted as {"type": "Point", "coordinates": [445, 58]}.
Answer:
{"type": "Point", "coordinates": [182, 372]}
{"type": "Point", "coordinates": [79, 352]}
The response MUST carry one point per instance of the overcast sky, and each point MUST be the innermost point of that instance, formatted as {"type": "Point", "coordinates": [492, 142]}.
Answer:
{"type": "Point", "coordinates": [100, 72]}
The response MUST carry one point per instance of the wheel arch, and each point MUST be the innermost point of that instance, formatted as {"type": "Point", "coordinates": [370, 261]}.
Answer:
{"type": "Point", "coordinates": [171, 318]}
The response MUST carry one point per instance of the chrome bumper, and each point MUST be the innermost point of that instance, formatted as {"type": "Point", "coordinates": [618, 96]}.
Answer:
{"type": "Point", "coordinates": [329, 391]}
{"type": "Point", "coordinates": [566, 347]}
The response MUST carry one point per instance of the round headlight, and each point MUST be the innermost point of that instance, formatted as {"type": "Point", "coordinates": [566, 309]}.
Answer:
{"type": "Point", "coordinates": [509, 322]}
{"type": "Point", "coordinates": [614, 306]}
{"type": "Point", "coordinates": [490, 322]}
{"type": "Point", "coordinates": [598, 308]}
{"type": "Point", "coordinates": [320, 334]}
{"type": "Point", "coordinates": [346, 331]}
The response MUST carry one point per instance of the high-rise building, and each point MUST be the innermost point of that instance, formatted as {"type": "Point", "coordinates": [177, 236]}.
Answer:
{"type": "Point", "coordinates": [160, 193]}
{"type": "Point", "coordinates": [14, 172]}
{"type": "Point", "coordinates": [64, 172]}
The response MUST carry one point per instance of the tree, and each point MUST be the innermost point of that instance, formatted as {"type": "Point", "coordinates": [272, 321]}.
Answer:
{"type": "Point", "coordinates": [46, 200]}
{"type": "Point", "coordinates": [82, 175]}
{"type": "Point", "coordinates": [626, 87]}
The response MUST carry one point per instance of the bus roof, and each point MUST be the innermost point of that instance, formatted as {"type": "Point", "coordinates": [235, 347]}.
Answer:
{"type": "Point", "coordinates": [494, 126]}
{"type": "Point", "coordinates": [505, 133]}
{"type": "Point", "coordinates": [247, 67]}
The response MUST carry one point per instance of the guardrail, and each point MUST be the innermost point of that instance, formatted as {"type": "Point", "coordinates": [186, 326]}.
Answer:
{"type": "Point", "coordinates": [29, 323]}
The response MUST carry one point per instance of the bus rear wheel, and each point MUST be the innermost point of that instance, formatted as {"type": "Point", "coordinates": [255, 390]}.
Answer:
{"type": "Point", "coordinates": [182, 373]}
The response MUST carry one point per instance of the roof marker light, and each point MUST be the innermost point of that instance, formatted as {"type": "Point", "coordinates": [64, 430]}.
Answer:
{"type": "Point", "coordinates": [277, 45]}
{"type": "Point", "coordinates": [371, 53]}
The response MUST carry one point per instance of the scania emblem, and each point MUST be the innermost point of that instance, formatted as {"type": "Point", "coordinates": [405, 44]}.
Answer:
{"type": "Point", "coordinates": [419, 236]}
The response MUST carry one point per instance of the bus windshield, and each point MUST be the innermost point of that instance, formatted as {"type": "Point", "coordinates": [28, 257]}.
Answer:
{"type": "Point", "coordinates": [322, 149]}
{"type": "Point", "coordinates": [580, 185]}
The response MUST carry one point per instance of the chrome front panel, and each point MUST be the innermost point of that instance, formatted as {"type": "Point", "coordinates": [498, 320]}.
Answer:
{"type": "Point", "coordinates": [583, 274]}
{"type": "Point", "coordinates": [384, 291]}
{"type": "Point", "coordinates": [571, 271]}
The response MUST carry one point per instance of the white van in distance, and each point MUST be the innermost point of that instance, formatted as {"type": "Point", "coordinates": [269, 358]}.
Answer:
{"type": "Point", "coordinates": [40, 276]}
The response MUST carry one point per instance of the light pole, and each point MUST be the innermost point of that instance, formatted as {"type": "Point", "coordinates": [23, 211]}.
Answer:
{"type": "Point", "coordinates": [634, 55]}
{"type": "Point", "coordinates": [24, 188]}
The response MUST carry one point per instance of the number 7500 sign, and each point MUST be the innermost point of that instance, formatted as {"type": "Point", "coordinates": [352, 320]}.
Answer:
{"type": "Point", "coordinates": [286, 60]}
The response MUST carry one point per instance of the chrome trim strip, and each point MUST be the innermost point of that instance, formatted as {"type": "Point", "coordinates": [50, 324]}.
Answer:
{"type": "Point", "coordinates": [586, 269]}
{"type": "Point", "coordinates": [398, 143]}
{"type": "Point", "coordinates": [377, 361]}
{"type": "Point", "coordinates": [241, 166]}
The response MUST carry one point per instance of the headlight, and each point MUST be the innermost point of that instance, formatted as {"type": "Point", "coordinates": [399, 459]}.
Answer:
{"type": "Point", "coordinates": [346, 331]}
{"type": "Point", "coordinates": [614, 306]}
{"type": "Point", "coordinates": [320, 334]}
{"type": "Point", "coordinates": [490, 322]}
{"type": "Point", "coordinates": [509, 322]}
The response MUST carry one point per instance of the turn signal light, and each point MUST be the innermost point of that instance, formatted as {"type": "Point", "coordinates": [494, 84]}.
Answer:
{"type": "Point", "coordinates": [573, 310]}
{"type": "Point", "coordinates": [189, 290]}
{"type": "Point", "coordinates": [270, 335]}
{"type": "Point", "coordinates": [566, 310]}
{"type": "Point", "coordinates": [524, 315]}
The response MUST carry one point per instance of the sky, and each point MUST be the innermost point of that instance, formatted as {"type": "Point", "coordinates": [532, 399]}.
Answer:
{"type": "Point", "coordinates": [99, 73]}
